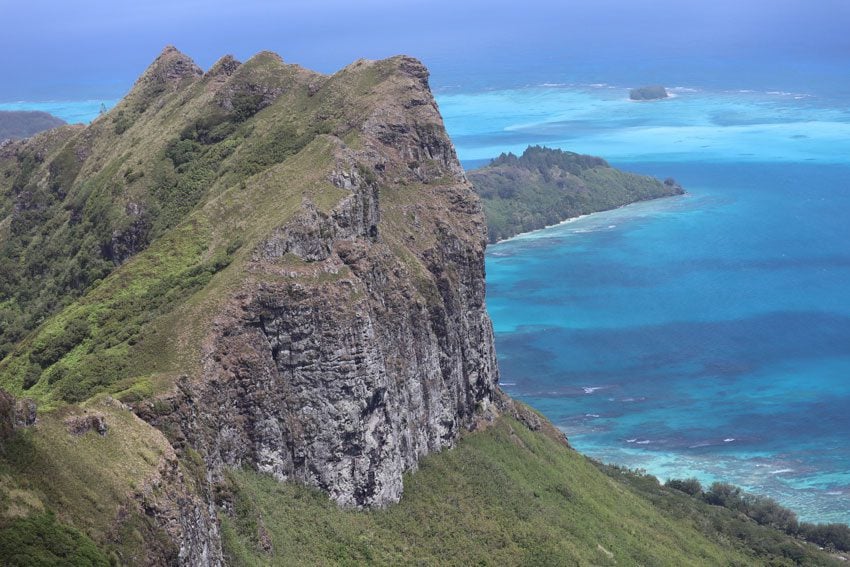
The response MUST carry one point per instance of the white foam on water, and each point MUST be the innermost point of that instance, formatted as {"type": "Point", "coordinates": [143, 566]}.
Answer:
{"type": "Point", "coordinates": [70, 111]}
{"type": "Point", "coordinates": [718, 126]}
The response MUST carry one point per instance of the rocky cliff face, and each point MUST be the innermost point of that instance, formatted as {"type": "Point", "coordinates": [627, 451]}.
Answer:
{"type": "Point", "coordinates": [14, 414]}
{"type": "Point", "coordinates": [288, 275]}
{"type": "Point", "coordinates": [371, 346]}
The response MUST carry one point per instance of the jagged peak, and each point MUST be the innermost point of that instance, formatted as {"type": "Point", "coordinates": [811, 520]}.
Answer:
{"type": "Point", "coordinates": [169, 49]}
{"type": "Point", "coordinates": [265, 58]}
{"type": "Point", "coordinates": [171, 66]}
{"type": "Point", "coordinates": [267, 53]}
{"type": "Point", "coordinates": [411, 66]}
{"type": "Point", "coordinates": [399, 65]}
{"type": "Point", "coordinates": [224, 67]}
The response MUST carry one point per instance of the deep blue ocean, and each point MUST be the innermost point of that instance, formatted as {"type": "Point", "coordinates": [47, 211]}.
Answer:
{"type": "Point", "coordinates": [706, 335]}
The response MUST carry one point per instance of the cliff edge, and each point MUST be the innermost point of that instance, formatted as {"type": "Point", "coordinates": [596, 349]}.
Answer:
{"type": "Point", "coordinates": [274, 268]}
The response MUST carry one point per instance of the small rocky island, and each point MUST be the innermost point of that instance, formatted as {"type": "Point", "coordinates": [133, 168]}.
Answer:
{"type": "Point", "coordinates": [654, 92]}
{"type": "Point", "coordinates": [15, 124]}
{"type": "Point", "coordinates": [545, 186]}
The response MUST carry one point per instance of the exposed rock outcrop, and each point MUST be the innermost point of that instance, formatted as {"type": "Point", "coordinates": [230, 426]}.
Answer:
{"type": "Point", "coordinates": [653, 92]}
{"type": "Point", "coordinates": [185, 512]}
{"type": "Point", "coordinates": [290, 277]}
{"type": "Point", "coordinates": [363, 358]}
{"type": "Point", "coordinates": [82, 424]}
{"type": "Point", "coordinates": [25, 412]}
{"type": "Point", "coordinates": [15, 414]}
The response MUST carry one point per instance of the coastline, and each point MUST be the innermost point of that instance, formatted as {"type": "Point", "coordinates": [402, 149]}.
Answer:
{"type": "Point", "coordinates": [637, 292]}
{"type": "Point", "coordinates": [573, 219]}
{"type": "Point", "coordinates": [565, 221]}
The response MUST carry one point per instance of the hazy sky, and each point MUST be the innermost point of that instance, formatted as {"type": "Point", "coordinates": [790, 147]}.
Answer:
{"type": "Point", "coordinates": [67, 48]}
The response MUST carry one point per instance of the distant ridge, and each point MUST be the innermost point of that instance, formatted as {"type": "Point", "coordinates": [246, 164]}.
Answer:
{"type": "Point", "coordinates": [18, 124]}
{"type": "Point", "coordinates": [546, 186]}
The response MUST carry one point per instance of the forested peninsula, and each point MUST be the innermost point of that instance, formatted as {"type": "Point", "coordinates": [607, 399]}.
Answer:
{"type": "Point", "coordinates": [546, 186]}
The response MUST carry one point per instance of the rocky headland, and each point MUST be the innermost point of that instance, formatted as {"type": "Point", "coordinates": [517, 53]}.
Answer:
{"type": "Point", "coordinates": [546, 186]}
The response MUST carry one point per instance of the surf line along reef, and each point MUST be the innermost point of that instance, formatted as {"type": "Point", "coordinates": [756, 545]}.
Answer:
{"type": "Point", "coordinates": [546, 186]}
{"type": "Point", "coordinates": [270, 307]}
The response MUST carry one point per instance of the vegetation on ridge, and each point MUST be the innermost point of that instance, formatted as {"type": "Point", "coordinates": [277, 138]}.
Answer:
{"type": "Point", "coordinates": [504, 496]}
{"type": "Point", "coordinates": [545, 186]}
{"type": "Point", "coordinates": [119, 244]}
{"type": "Point", "coordinates": [766, 512]}
{"type": "Point", "coordinates": [141, 213]}
{"type": "Point", "coordinates": [107, 200]}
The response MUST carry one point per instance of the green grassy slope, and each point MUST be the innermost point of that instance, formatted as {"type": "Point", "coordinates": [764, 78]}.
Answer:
{"type": "Point", "coordinates": [41, 540]}
{"type": "Point", "coordinates": [545, 186]}
{"type": "Point", "coordinates": [119, 244]}
{"type": "Point", "coordinates": [504, 496]}
{"type": "Point", "coordinates": [79, 314]}
{"type": "Point", "coordinates": [66, 495]}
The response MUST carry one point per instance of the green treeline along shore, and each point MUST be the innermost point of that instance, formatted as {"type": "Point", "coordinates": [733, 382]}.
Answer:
{"type": "Point", "coordinates": [546, 186]}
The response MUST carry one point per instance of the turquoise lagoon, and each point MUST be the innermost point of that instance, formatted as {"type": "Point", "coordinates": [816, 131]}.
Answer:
{"type": "Point", "coordinates": [72, 112]}
{"type": "Point", "coordinates": [706, 335]}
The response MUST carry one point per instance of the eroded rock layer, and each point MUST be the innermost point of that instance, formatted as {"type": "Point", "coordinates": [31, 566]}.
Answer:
{"type": "Point", "coordinates": [371, 346]}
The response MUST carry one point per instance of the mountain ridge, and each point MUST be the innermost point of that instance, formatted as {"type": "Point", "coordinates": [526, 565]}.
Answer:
{"type": "Point", "coordinates": [262, 274]}
{"type": "Point", "coordinates": [275, 227]}
{"type": "Point", "coordinates": [17, 124]}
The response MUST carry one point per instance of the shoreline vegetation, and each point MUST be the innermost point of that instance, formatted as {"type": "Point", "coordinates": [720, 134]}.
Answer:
{"type": "Point", "coordinates": [512, 493]}
{"type": "Point", "coordinates": [133, 331]}
{"type": "Point", "coordinates": [545, 187]}
{"type": "Point", "coordinates": [563, 222]}
{"type": "Point", "coordinates": [745, 514]}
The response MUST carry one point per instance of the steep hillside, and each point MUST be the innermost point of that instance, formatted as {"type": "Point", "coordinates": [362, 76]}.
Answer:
{"type": "Point", "coordinates": [260, 274]}
{"type": "Point", "coordinates": [507, 495]}
{"type": "Point", "coordinates": [545, 186]}
{"type": "Point", "coordinates": [23, 124]}
{"type": "Point", "coordinates": [274, 268]}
